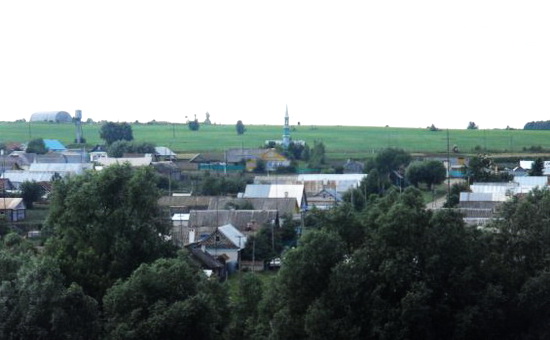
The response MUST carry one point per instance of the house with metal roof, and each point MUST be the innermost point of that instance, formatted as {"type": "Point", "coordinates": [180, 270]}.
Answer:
{"type": "Point", "coordinates": [271, 158]}
{"type": "Point", "coordinates": [13, 208]}
{"type": "Point", "coordinates": [314, 183]}
{"type": "Point", "coordinates": [165, 154]}
{"type": "Point", "coordinates": [324, 199]}
{"type": "Point", "coordinates": [225, 240]}
{"type": "Point", "coordinates": [285, 206]}
{"type": "Point", "coordinates": [17, 177]}
{"type": "Point", "coordinates": [296, 191]}
{"type": "Point", "coordinates": [61, 168]}
{"type": "Point", "coordinates": [199, 224]}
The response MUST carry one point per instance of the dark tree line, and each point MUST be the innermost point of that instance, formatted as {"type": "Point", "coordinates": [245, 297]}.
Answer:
{"type": "Point", "coordinates": [538, 125]}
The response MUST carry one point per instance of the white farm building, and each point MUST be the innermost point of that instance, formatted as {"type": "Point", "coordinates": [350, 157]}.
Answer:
{"type": "Point", "coordinates": [52, 116]}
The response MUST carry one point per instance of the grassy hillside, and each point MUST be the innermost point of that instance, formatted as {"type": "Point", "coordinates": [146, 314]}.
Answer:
{"type": "Point", "coordinates": [341, 141]}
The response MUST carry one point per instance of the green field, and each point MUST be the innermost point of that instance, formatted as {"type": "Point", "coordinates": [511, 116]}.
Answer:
{"type": "Point", "coordinates": [341, 141]}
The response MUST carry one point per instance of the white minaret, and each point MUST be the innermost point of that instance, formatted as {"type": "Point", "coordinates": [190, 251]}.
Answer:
{"type": "Point", "coordinates": [286, 131]}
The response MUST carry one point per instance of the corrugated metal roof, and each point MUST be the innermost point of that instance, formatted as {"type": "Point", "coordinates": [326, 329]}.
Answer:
{"type": "Point", "coordinates": [283, 205]}
{"type": "Point", "coordinates": [276, 191]}
{"type": "Point", "coordinates": [533, 181]}
{"type": "Point", "coordinates": [493, 187]}
{"type": "Point", "coordinates": [483, 197]}
{"type": "Point", "coordinates": [18, 177]}
{"type": "Point", "coordinates": [54, 145]}
{"type": "Point", "coordinates": [234, 235]}
{"type": "Point", "coordinates": [72, 168]}
{"type": "Point", "coordinates": [240, 219]}
{"type": "Point", "coordinates": [313, 183]}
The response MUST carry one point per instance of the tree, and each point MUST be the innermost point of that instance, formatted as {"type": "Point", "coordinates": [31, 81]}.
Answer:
{"type": "Point", "coordinates": [472, 126]}
{"type": "Point", "coordinates": [537, 168]}
{"type": "Point", "coordinates": [110, 132]}
{"type": "Point", "coordinates": [36, 305]}
{"type": "Point", "coordinates": [482, 168]}
{"type": "Point", "coordinates": [194, 125]}
{"type": "Point", "coordinates": [435, 173]}
{"type": "Point", "coordinates": [454, 196]}
{"type": "Point", "coordinates": [245, 307]}
{"type": "Point", "coordinates": [415, 173]}
{"type": "Point", "coordinates": [388, 160]}
{"type": "Point", "coordinates": [31, 192]}
{"type": "Point", "coordinates": [37, 146]}
{"type": "Point", "coordinates": [104, 225]}
{"type": "Point", "coordinates": [167, 299]}
{"type": "Point", "coordinates": [240, 127]}
{"type": "Point", "coordinates": [304, 275]}
{"type": "Point", "coordinates": [120, 147]}
{"type": "Point", "coordinates": [317, 155]}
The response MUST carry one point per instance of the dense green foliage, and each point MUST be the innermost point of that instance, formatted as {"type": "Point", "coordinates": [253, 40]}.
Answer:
{"type": "Point", "coordinates": [121, 147]}
{"type": "Point", "coordinates": [212, 185]}
{"type": "Point", "coordinates": [472, 126]}
{"type": "Point", "coordinates": [454, 196]}
{"type": "Point", "coordinates": [168, 299]}
{"type": "Point", "coordinates": [37, 146]}
{"type": "Point", "coordinates": [240, 127]}
{"type": "Point", "coordinates": [482, 168]}
{"type": "Point", "coordinates": [31, 192]}
{"type": "Point", "coordinates": [538, 125]}
{"type": "Point", "coordinates": [104, 225]}
{"type": "Point", "coordinates": [317, 155]}
{"type": "Point", "coordinates": [194, 125]}
{"type": "Point", "coordinates": [384, 269]}
{"type": "Point", "coordinates": [415, 274]}
{"type": "Point", "coordinates": [111, 132]}
{"type": "Point", "coordinates": [428, 172]}
{"type": "Point", "coordinates": [537, 168]}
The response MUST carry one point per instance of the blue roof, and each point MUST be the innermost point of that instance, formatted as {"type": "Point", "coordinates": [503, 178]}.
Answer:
{"type": "Point", "coordinates": [54, 145]}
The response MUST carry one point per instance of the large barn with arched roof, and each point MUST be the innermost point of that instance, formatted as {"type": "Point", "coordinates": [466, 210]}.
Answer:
{"type": "Point", "coordinates": [52, 116]}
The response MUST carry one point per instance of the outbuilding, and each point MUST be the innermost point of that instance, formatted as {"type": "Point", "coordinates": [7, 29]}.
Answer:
{"type": "Point", "coordinates": [52, 116]}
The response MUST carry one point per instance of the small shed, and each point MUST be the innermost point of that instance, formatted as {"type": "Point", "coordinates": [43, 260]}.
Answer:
{"type": "Point", "coordinates": [54, 145]}
{"type": "Point", "coordinates": [13, 208]}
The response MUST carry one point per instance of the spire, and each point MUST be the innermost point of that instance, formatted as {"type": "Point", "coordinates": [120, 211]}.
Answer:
{"type": "Point", "coordinates": [286, 130]}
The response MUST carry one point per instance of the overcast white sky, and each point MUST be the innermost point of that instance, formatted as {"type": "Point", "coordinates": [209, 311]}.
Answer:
{"type": "Point", "coordinates": [371, 63]}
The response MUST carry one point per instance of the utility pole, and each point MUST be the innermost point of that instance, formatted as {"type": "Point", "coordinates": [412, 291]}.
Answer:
{"type": "Point", "coordinates": [448, 168]}
{"type": "Point", "coordinates": [254, 254]}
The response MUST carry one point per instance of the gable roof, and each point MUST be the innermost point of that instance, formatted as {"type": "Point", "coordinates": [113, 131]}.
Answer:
{"type": "Point", "coordinates": [11, 203]}
{"type": "Point", "coordinates": [276, 191]}
{"type": "Point", "coordinates": [71, 168]}
{"type": "Point", "coordinates": [203, 257]}
{"type": "Point", "coordinates": [185, 201]}
{"type": "Point", "coordinates": [164, 151]}
{"type": "Point", "coordinates": [19, 176]}
{"type": "Point", "coordinates": [283, 205]}
{"type": "Point", "coordinates": [240, 219]}
{"type": "Point", "coordinates": [233, 235]}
